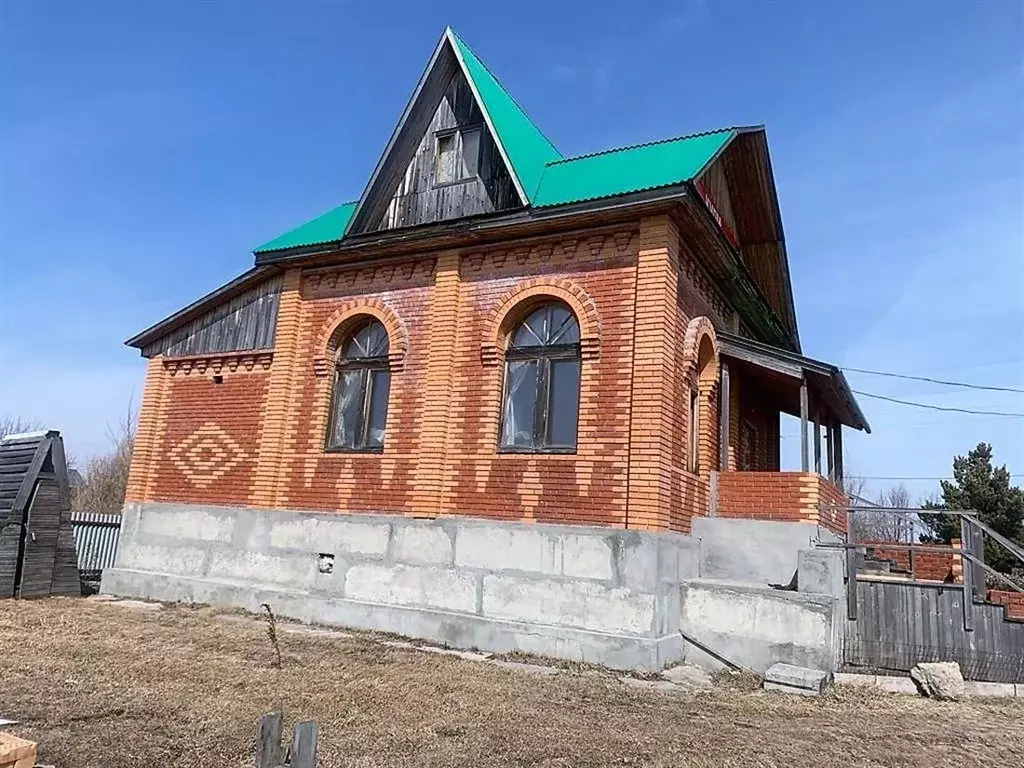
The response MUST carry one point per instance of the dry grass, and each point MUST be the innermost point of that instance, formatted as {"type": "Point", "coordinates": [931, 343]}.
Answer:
{"type": "Point", "coordinates": [105, 685]}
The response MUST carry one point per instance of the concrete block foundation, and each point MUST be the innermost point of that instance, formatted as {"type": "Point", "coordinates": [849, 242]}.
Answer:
{"type": "Point", "coordinates": [606, 596]}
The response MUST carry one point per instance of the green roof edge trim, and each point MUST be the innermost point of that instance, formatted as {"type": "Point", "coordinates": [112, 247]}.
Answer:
{"type": "Point", "coordinates": [525, 146]}
{"type": "Point", "coordinates": [325, 228]}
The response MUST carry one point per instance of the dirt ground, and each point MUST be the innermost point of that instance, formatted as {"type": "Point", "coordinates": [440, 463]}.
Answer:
{"type": "Point", "coordinates": [108, 686]}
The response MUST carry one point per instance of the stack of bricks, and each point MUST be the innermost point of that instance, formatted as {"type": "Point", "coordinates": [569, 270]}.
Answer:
{"type": "Point", "coordinates": [923, 566]}
{"type": "Point", "coordinates": [1014, 602]}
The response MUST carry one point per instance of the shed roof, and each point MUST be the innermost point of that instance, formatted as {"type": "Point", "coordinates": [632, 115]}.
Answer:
{"type": "Point", "coordinates": [22, 458]}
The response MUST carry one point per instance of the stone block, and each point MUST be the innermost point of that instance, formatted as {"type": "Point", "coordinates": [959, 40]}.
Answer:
{"type": "Point", "coordinates": [797, 677]}
{"type": "Point", "coordinates": [586, 605]}
{"type": "Point", "coordinates": [939, 679]}
{"type": "Point", "coordinates": [295, 571]}
{"type": "Point", "coordinates": [793, 691]}
{"type": "Point", "coordinates": [421, 545]}
{"type": "Point", "coordinates": [321, 534]}
{"type": "Point", "coordinates": [821, 571]}
{"type": "Point", "coordinates": [533, 550]}
{"type": "Point", "coordinates": [894, 684]}
{"type": "Point", "coordinates": [443, 588]}
{"type": "Point", "coordinates": [993, 690]}
{"type": "Point", "coordinates": [183, 561]}
{"type": "Point", "coordinates": [855, 680]}
{"type": "Point", "coordinates": [688, 675]}
{"type": "Point", "coordinates": [195, 524]}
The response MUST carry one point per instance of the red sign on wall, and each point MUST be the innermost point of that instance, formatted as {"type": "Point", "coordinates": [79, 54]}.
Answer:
{"type": "Point", "coordinates": [709, 201]}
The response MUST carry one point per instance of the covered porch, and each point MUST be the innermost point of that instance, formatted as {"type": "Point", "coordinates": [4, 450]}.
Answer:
{"type": "Point", "coordinates": [757, 383]}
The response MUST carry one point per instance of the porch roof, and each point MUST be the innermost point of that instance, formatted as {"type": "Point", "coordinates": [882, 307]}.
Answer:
{"type": "Point", "coordinates": [780, 372]}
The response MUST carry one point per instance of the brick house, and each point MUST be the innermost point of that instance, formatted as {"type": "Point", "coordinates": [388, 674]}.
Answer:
{"type": "Point", "coordinates": [499, 332]}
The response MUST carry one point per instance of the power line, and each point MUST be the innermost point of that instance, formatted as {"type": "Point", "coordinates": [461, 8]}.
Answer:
{"type": "Point", "coordinates": [935, 381]}
{"type": "Point", "coordinates": [939, 407]}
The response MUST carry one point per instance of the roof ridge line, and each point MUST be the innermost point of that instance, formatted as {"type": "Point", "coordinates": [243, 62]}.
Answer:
{"type": "Point", "coordinates": [669, 140]}
{"type": "Point", "coordinates": [505, 90]}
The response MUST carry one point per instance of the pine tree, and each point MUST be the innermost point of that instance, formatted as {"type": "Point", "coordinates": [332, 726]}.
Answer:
{"type": "Point", "coordinates": [979, 486]}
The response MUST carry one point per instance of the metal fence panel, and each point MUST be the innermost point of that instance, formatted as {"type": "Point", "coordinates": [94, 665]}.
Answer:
{"type": "Point", "coordinates": [96, 537]}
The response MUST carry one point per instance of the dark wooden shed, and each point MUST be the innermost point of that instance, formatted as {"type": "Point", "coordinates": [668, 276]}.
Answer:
{"type": "Point", "coordinates": [37, 542]}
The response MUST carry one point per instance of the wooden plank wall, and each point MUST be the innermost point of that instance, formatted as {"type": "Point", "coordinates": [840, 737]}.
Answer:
{"type": "Point", "coordinates": [418, 200]}
{"type": "Point", "coordinates": [900, 624]}
{"type": "Point", "coordinates": [15, 460]}
{"type": "Point", "coordinates": [247, 321]}
{"type": "Point", "coordinates": [41, 547]}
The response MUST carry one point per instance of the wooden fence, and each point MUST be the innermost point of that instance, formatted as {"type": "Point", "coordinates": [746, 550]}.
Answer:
{"type": "Point", "coordinates": [899, 624]}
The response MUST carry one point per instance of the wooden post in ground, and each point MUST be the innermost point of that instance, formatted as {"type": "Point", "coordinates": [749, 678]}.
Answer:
{"type": "Point", "coordinates": [269, 751]}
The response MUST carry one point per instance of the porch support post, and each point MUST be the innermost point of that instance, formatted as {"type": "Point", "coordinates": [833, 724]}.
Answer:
{"type": "Point", "coordinates": [723, 418]}
{"type": "Point", "coordinates": [804, 458]}
{"type": "Point", "coordinates": [817, 441]}
{"type": "Point", "coordinates": [830, 436]}
{"type": "Point", "coordinates": [838, 437]}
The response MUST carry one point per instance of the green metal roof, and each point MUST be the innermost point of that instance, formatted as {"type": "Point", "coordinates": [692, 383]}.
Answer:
{"type": "Point", "coordinates": [546, 178]}
{"type": "Point", "coordinates": [323, 229]}
{"type": "Point", "coordinates": [527, 149]}
{"type": "Point", "coordinates": [630, 169]}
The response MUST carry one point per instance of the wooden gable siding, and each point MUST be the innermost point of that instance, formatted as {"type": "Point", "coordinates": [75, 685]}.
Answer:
{"type": "Point", "coordinates": [247, 321]}
{"type": "Point", "coordinates": [714, 188]}
{"type": "Point", "coordinates": [417, 200]}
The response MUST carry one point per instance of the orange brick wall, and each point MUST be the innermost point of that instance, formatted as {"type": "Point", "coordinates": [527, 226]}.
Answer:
{"type": "Point", "coordinates": [209, 432]}
{"type": "Point", "coordinates": [785, 496]}
{"type": "Point", "coordinates": [589, 487]}
{"type": "Point", "coordinates": [1014, 601]}
{"type": "Point", "coordinates": [643, 305]}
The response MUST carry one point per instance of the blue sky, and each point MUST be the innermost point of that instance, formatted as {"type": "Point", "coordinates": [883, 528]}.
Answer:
{"type": "Point", "coordinates": [146, 148]}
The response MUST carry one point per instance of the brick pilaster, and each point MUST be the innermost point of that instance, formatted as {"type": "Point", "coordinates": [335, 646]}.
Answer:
{"type": "Point", "coordinates": [437, 387]}
{"type": "Point", "coordinates": [271, 471]}
{"type": "Point", "coordinates": [654, 415]}
{"type": "Point", "coordinates": [148, 431]}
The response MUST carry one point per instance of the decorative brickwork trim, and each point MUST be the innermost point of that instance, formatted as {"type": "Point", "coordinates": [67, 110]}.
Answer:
{"type": "Point", "coordinates": [342, 321]}
{"type": "Point", "coordinates": [517, 303]}
{"type": "Point", "coordinates": [696, 330]}
{"type": "Point", "coordinates": [222, 362]}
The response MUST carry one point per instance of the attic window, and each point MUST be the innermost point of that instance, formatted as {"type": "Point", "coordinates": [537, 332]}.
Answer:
{"type": "Point", "coordinates": [458, 155]}
{"type": "Point", "coordinates": [445, 172]}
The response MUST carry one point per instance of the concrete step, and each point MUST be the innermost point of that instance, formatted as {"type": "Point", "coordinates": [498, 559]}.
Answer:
{"type": "Point", "coordinates": [756, 626]}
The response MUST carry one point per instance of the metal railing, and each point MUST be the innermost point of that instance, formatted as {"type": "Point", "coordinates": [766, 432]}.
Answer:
{"type": "Point", "coordinates": [971, 550]}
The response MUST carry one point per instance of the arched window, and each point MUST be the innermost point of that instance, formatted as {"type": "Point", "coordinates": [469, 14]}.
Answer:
{"type": "Point", "coordinates": [540, 408]}
{"type": "Point", "coordinates": [362, 381]}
